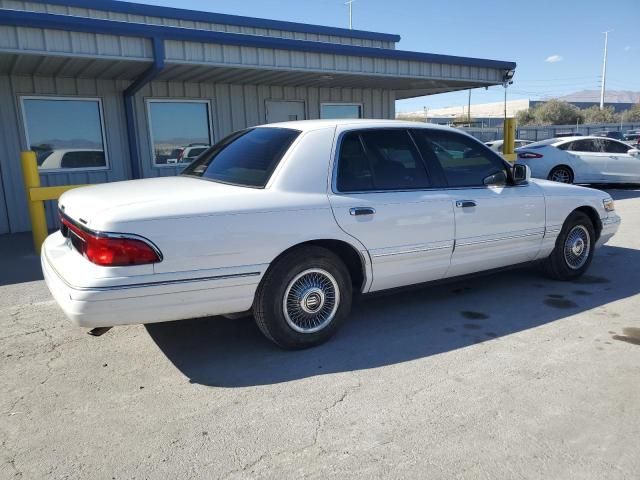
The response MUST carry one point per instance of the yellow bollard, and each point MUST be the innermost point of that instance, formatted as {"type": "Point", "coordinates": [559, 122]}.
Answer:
{"type": "Point", "coordinates": [36, 207]}
{"type": "Point", "coordinates": [509, 144]}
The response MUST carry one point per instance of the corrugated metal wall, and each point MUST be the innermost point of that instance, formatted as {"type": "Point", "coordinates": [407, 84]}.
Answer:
{"type": "Point", "coordinates": [14, 138]}
{"type": "Point", "coordinates": [233, 107]}
{"type": "Point", "coordinates": [91, 13]}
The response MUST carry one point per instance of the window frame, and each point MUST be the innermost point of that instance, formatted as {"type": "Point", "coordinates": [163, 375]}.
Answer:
{"type": "Point", "coordinates": [351, 104]}
{"type": "Point", "coordinates": [63, 98]}
{"type": "Point", "coordinates": [149, 100]}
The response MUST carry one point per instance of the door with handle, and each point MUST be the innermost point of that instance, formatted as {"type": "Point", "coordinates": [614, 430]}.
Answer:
{"type": "Point", "coordinates": [621, 166]}
{"type": "Point", "coordinates": [496, 224]}
{"type": "Point", "coordinates": [380, 195]}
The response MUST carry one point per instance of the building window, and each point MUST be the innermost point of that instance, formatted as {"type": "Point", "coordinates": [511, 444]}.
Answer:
{"type": "Point", "coordinates": [180, 130]}
{"type": "Point", "coordinates": [340, 110]}
{"type": "Point", "coordinates": [65, 133]}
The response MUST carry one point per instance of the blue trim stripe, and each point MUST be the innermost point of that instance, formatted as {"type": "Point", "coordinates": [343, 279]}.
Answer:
{"type": "Point", "coordinates": [110, 27]}
{"type": "Point", "coordinates": [197, 16]}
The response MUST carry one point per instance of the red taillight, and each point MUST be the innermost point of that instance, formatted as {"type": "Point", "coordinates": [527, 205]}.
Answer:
{"type": "Point", "coordinates": [110, 251]}
{"type": "Point", "coordinates": [118, 252]}
{"type": "Point", "coordinates": [527, 155]}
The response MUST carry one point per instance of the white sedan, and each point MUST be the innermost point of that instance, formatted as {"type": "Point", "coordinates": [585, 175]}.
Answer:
{"type": "Point", "coordinates": [497, 145]}
{"type": "Point", "coordinates": [582, 160]}
{"type": "Point", "coordinates": [289, 220]}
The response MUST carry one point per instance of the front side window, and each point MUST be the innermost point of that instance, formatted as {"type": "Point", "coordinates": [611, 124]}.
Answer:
{"type": "Point", "coordinates": [615, 147]}
{"type": "Point", "coordinates": [340, 110]}
{"type": "Point", "coordinates": [65, 133]}
{"type": "Point", "coordinates": [379, 160]}
{"type": "Point", "coordinates": [246, 158]}
{"type": "Point", "coordinates": [177, 126]}
{"type": "Point", "coordinates": [464, 161]}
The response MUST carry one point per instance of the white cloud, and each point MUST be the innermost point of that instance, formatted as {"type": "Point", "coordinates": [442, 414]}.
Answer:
{"type": "Point", "coordinates": [554, 59]}
{"type": "Point", "coordinates": [627, 48]}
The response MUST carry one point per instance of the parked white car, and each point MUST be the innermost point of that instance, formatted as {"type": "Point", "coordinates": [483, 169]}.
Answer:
{"type": "Point", "coordinates": [496, 145]}
{"type": "Point", "coordinates": [72, 158]}
{"type": "Point", "coordinates": [289, 220]}
{"type": "Point", "coordinates": [188, 154]}
{"type": "Point", "coordinates": [582, 160]}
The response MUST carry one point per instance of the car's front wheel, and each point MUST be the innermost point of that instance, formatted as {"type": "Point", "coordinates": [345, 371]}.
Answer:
{"type": "Point", "coordinates": [303, 298]}
{"type": "Point", "coordinates": [574, 248]}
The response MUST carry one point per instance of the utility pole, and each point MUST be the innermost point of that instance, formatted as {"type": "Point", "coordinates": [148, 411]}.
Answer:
{"type": "Point", "coordinates": [505, 100]}
{"type": "Point", "coordinates": [604, 71]}
{"type": "Point", "coordinates": [349, 3]}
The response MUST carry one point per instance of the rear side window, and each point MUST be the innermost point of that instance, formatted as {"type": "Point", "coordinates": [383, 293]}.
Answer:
{"type": "Point", "coordinates": [194, 152]}
{"type": "Point", "coordinates": [246, 158]}
{"type": "Point", "coordinates": [83, 159]}
{"type": "Point", "coordinates": [586, 146]}
{"type": "Point", "coordinates": [379, 160]}
{"type": "Point", "coordinates": [464, 161]}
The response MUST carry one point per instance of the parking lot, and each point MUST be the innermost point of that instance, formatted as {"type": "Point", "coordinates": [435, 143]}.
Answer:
{"type": "Point", "coordinates": [504, 376]}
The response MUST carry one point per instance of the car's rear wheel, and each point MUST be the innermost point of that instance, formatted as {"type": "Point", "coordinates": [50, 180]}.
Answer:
{"type": "Point", "coordinates": [303, 298]}
{"type": "Point", "coordinates": [574, 248]}
{"type": "Point", "coordinates": [562, 174]}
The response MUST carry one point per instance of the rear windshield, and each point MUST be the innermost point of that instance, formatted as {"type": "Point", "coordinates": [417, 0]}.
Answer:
{"type": "Point", "coordinates": [246, 158]}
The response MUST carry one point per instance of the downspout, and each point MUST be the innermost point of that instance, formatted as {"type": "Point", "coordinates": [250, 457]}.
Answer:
{"type": "Point", "coordinates": [129, 105]}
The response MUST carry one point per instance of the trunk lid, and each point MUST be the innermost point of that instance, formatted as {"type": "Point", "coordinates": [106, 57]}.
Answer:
{"type": "Point", "coordinates": [103, 207]}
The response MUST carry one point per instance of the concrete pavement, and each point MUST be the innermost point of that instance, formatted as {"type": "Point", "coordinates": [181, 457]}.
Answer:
{"type": "Point", "coordinates": [500, 377]}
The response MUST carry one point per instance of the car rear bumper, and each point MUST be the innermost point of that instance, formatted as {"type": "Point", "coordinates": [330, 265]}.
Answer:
{"type": "Point", "coordinates": [152, 302]}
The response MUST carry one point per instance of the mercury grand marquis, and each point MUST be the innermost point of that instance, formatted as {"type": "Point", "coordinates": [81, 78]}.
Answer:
{"type": "Point", "coordinates": [287, 221]}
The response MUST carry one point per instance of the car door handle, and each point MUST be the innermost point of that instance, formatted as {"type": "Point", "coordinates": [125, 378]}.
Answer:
{"type": "Point", "coordinates": [357, 211]}
{"type": "Point", "coordinates": [466, 203]}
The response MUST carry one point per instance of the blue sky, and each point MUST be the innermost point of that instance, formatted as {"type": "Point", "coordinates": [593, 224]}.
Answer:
{"type": "Point", "coordinates": [529, 33]}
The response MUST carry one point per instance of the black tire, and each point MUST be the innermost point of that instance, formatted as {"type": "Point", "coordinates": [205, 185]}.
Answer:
{"type": "Point", "coordinates": [562, 174]}
{"type": "Point", "coordinates": [269, 308]}
{"type": "Point", "coordinates": [558, 264]}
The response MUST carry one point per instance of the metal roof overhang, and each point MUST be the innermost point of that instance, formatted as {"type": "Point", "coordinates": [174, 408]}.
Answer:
{"type": "Point", "coordinates": [221, 18]}
{"type": "Point", "coordinates": [80, 66]}
{"type": "Point", "coordinates": [118, 69]}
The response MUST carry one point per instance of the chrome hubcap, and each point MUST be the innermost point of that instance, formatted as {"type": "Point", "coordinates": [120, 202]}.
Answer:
{"type": "Point", "coordinates": [577, 247]}
{"type": "Point", "coordinates": [562, 175]}
{"type": "Point", "coordinates": [311, 300]}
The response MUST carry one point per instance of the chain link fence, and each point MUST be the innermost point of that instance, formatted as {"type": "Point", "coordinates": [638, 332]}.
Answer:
{"type": "Point", "coordinates": [549, 131]}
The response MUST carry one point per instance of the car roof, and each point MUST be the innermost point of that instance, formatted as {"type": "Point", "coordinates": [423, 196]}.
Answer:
{"type": "Point", "coordinates": [306, 125]}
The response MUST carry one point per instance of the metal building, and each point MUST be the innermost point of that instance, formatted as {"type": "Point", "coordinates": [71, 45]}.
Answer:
{"type": "Point", "coordinates": [106, 90]}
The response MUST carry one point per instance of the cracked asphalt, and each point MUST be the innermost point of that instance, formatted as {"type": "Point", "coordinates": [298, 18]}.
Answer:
{"type": "Point", "coordinates": [500, 377]}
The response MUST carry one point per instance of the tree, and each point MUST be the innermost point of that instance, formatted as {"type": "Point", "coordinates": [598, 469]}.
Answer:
{"type": "Point", "coordinates": [526, 117]}
{"type": "Point", "coordinates": [557, 112]}
{"type": "Point", "coordinates": [632, 115]}
{"type": "Point", "coordinates": [595, 115]}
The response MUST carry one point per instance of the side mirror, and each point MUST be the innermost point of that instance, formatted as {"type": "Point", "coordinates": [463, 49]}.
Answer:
{"type": "Point", "coordinates": [521, 173]}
